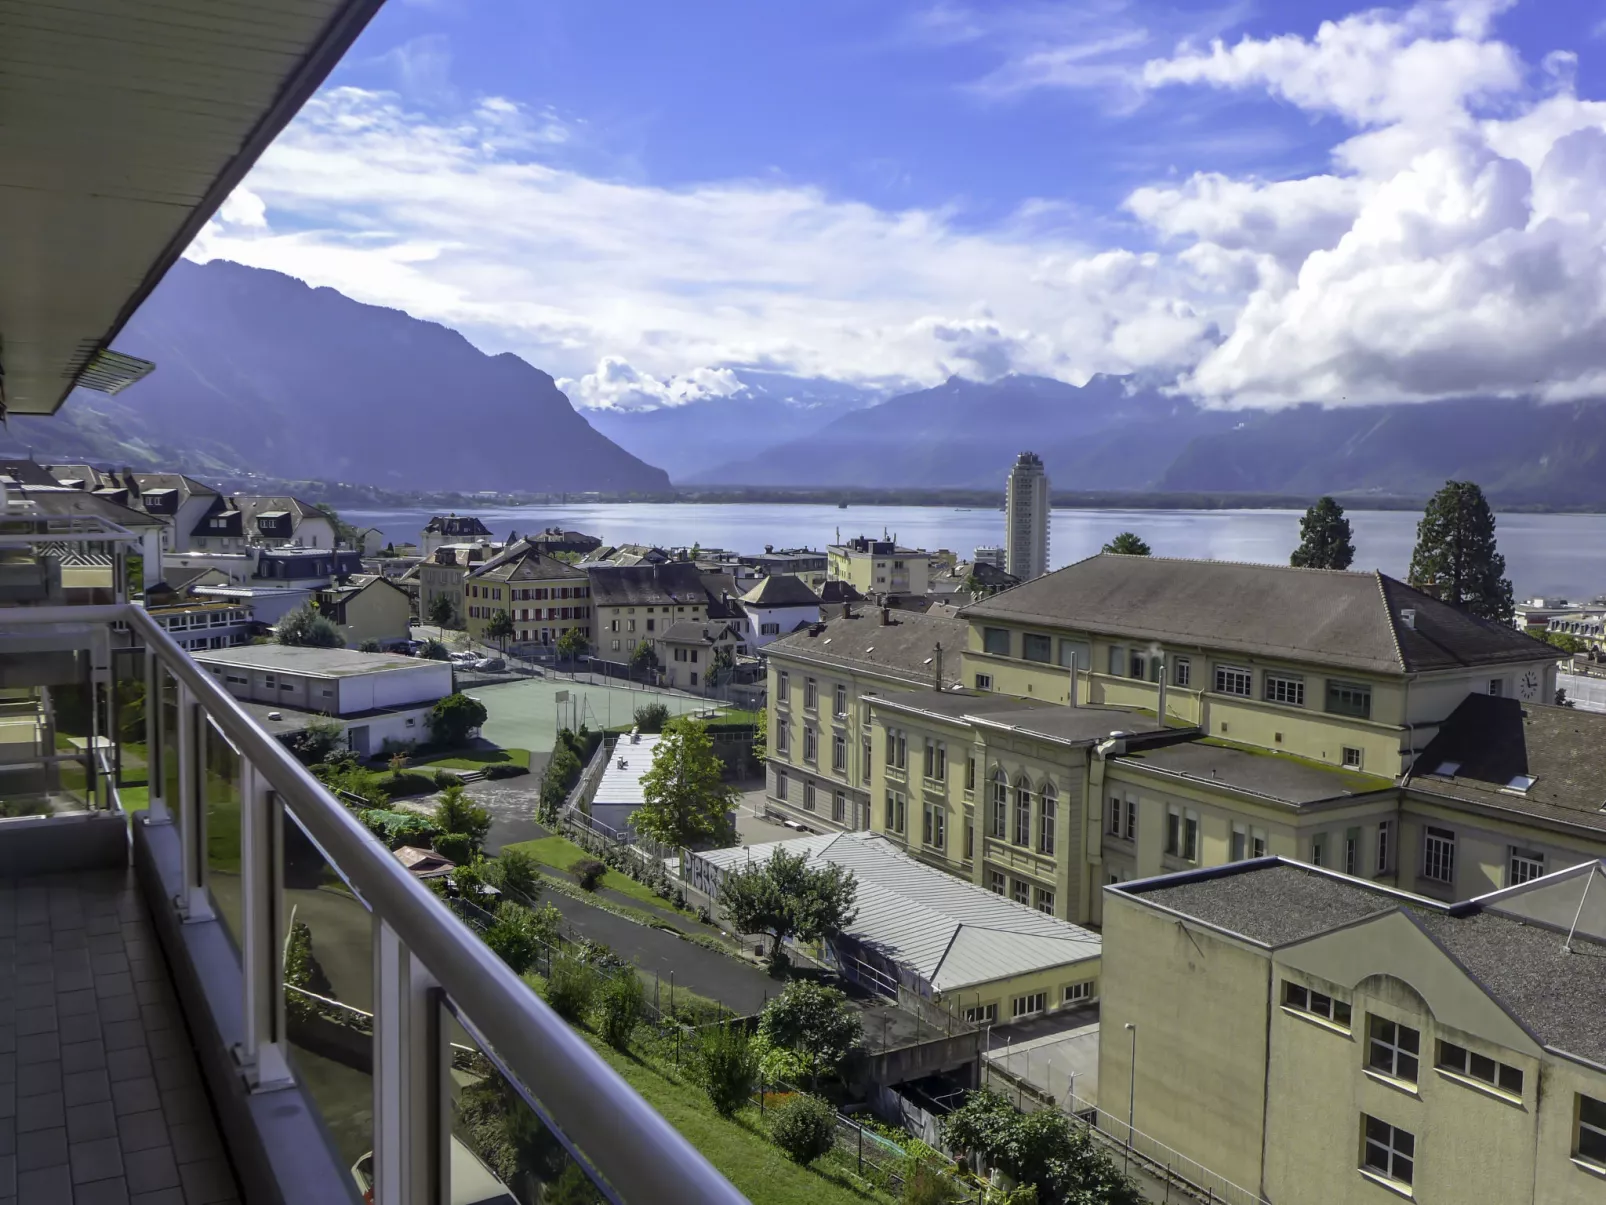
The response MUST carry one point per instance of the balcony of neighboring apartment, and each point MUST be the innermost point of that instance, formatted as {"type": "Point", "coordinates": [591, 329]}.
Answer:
{"type": "Point", "coordinates": [215, 985]}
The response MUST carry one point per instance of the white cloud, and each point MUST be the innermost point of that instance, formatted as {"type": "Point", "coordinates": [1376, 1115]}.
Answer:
{"type": "Point", "coordinates": [1456, 244]}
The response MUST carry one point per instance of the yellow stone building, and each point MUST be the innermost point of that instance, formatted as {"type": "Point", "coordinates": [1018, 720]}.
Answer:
{"type": "Point", "coordinates": [875, 567]}
{"type": "Point", "coordinates": [1389, 736]}
{"type": "Point", "coordinates": [545, 597]}
{"type": "Point", "coordinates": [1321, 1040]}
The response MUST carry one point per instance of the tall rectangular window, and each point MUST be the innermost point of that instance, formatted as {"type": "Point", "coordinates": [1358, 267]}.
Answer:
{"type": "Point", "coordinates": [1135, 665]}
{"type": "Point", "coordinates": [783, 738]}
{"type": "Point", "coordinates": [1438, 855]}
{"type": "Point", "coordinates": [1248, 842]}
{"type": "Point", "coordinates": [1181, 671]}
{"type": "Point", "coordinates": [1387, 1150]}
{"type": "Point", "coordinates": [1385, 846]}
{"type": "Point", "coordinates": [1114, 822]}
{"type": "Point", "coordinates": [1182, 834]}
{"type": "Point", "coordinates": [1117, 661]}
{"type": "Point", "coordinates": [1047, 817]}
{"type": "Point", "coordinates": [864, 770]}
{"type": "Point", "coordinates": [839, 807]}
{"type": "Point", "coordinates": [1525, 866]}
{"type": "Point", "coordinates": [1392, 1048]}
{"type": "Point", "coordinates": [811, 745]}
{"type": "Point", "coordinates": [781, 786]}
{"type": "Point", "coordinates": [1021, 890]}
{"type": "Point", "coordinates": [840, 705]}
{"type": "Point", "coordinates": [1231, 680]}
{"type": "Point", "coordinates": [995, 882]}
{"type": "Point", "coordinates": [1352, 851]}
{"type": "Point", "coordinates": [1023, 813]}
{"type": "Point", "coordinates": [1000, 808]}
{"type": "Point", "coordinates": [783, 688]}
{"type": "Point", "coordinates": [934, 828]}
{"type": "Point", "coordinates": [808, 796]}
{"type": "Point", "coordinates": [970, 773]}
{"type": "Point", "coordinates": [839, 753]}
{"type": "Point", "coordinates": [1591, 1142]}
{"type": "Point", "coordinates": [1043, 901]}
{"type": "Point", "coordinates": [895, 811]}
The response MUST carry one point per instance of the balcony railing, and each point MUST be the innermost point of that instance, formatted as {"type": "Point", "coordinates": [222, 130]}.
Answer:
{"type": "Point", "coordinates": [474, 1080]}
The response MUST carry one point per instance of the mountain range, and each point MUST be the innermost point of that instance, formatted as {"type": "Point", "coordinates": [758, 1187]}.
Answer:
{"type": "Point", "coordinates": [259, 373]}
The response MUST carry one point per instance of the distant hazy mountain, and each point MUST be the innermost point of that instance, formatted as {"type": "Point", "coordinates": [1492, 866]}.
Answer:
{"type": "Point", "coordinates": [257, 371]}
{"type": "Point", "coordinates": [1111, 435]}
{"type": "Point", "coordinates": [1104, 435]}
{"type": "Point", "coordinates": [770, 408]}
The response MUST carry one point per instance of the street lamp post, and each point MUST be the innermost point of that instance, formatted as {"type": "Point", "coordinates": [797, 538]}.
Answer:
{"type": "Point", "coordinates": [1131, 1090]}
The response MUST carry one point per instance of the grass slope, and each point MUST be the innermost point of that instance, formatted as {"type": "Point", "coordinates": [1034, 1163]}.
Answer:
{"type": "Point", "coordinates": [560, 853]}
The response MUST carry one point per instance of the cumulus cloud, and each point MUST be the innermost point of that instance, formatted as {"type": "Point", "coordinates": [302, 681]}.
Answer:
{"type": "Point", "coordinates": [1455, 244]}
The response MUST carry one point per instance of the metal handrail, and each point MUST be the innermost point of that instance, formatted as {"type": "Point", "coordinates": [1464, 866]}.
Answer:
{"type": "Point", "coordinates": [641, 1155]}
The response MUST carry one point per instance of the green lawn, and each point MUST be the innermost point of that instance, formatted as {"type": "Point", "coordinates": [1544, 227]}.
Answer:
{"type": "Point", "coordinates": [473, 759]}
{"type": "Point", "coordinates": [135, 799]}
{"type": "Point", "coordinates": [736, 1147]}
{"type": "Point", "coordinates": [560, 853]}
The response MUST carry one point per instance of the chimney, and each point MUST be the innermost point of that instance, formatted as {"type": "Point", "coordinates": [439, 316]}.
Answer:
{"type": "Point", "coordinates": [1408, 617]}
{"type": "Point", "coordinates": [886, 615]}
{"type": "Point", "coordinates": [936, 667]}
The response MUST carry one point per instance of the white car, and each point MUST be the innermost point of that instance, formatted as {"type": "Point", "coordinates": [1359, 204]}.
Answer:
{"type": "Point", "coordinates": [472, 1181]}
{"type": "Point", "coordinates": [463, 658]}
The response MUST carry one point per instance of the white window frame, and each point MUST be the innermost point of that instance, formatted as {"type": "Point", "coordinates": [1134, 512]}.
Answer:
{"type": "Point", "coordinates": [839, 753]}
{"type": "Point", "coordinates": [783, 738]}
{"type": "Point", "coordinates": [1352, 757]}
{"type": "Point", "coordinates": [808, 796]}
{"type": "Point", "coordinates": [1594, 1130]}
{"type": "Point", "coordinates": [811, 694]}
{"type": "Point", "coordinates": [934, 831]}
{"type": "Point", "coordinates": [1388, 1052]}
{"type": "Point", "coordinates": [984, 681]}
{"type": "Point", "coordinates": [839, 807]}
{"type": "Point", "coordinates": [1043, 900]}
{"type": "Point", "coordinates": [839, 700]}
{"type": "Point", "coordinates": [1047, 817]}
{"type": "Point", "coordinates": [1182, 833]}
{"type": "Point", "coordinates": [1181, 671]}
{"type": "Point", "coordinates": [1028, 1005]}
{"type": "Point", "coordinates": [1523, 865]}
{"type": "Point", "coordinates": [1287, 689]}
{"type": "Point", "coordinates": [1391, 1155]}
{"type": "Point", "coordinates": [1299, 998]}
{"type": "Point", "coordinates": [1021, 892]}
{"type": "Point", "coordinates": [811, 744]}
{"type": "Point", "coordinates": [1228, 676]}
{"type": "Point", "coordinates": [997, 883]}
{"type": "Point", "coordinates": [1080, 993]}
{"type": "Point", "coordinates": [1385, 846]}
{"type": "Point", "coordinates": [982, 1014]}
{"type": "Point", "coordinates": [1438, 855]}
{"type": "Point", "coordinates": [783, 685]}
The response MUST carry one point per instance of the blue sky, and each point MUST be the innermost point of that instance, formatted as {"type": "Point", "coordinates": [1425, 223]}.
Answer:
{"type": "Point", "coordinates": [640, 196]}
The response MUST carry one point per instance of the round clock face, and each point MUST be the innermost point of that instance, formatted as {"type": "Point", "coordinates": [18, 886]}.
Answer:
{"type": "Point", "coordinates": [1528, 685]}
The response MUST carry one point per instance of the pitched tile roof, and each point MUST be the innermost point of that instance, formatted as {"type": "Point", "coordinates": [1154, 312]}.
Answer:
{"type": "Point", "coordinates": [1352, 620]}
{"type": "Point", "coordinates": [652, 585]}
{"type": "Point", "coordinates": [1489, 747]}
{"type": "Point", "coordinates": [781, 590]}
{"type": "Point", "coordinates": [898, 649]}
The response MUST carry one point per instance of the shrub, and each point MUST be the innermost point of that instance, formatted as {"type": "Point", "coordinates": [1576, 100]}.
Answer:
{"type": "Point", "coordinates": [588, 873]}
{"type": "Point", "coordinates": [455, 846]}
{"type": "Point", "coordinates": [454, 717]}
{"type": "Point", "coordinates": [515, 937]}
{"type": "Point", "coordinates": [407, 782]}
{"type": "Point", "coordinates": [726, 1067]}
{"type": "Point", "coordinates": [444, 779]}
{"type": "Point", "coordinates": [369, 646]}
{"type": "Point", "coordinates": [505, 769]}
{"type": "Point", "coordinates": [516, 871]}
{"type": "Point", "coordinates": [926, 1186]}
{"type": "Point", "coordinates": [571, 987]}
{"type": "Point", "coordinates": [321, 737]}
{"type": "Point", "coordinates": [562, 772]}
{"type": "Point", "coordinates": [622, 1005]}
{"type": "Point", "coordinates": [651, 717]}
{"type": "Point", "coordinates": [455, 812]}
{"type": "Point", "coordinates": [396, 829]}
{"type": "Point", "coordinates": [804, 1127]}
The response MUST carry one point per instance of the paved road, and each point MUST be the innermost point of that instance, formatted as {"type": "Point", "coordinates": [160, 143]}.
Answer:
{"type": "Point", "coordinates": [706, 972]}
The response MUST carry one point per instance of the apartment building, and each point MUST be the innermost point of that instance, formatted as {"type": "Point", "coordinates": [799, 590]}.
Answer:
{"type": "Point", "coordinates": [368, 607]}
{"type": "Point", "coordinates": [821, 755]}
{"type": "Point", "coordinates": [777, 606]}
{"type": "Point", "coordinates": [806, 564]}
{"type": "Point", "coordinates": [453, 528]}
{"type": "Point", "coordinates": [1026, 515]}
{"type": "Point", "coordinates": [874, 567]}
{"type": "Point", "coordinates": [1314, 1038]}
{"type": "Point", "coordinates": [545, 597]}
{"type": "Point", "coordinates": [636, 603]}
{"type": "Point", "coordinates": [442, 572]}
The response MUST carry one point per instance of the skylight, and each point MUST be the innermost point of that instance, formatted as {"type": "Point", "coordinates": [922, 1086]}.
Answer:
{"type": "Point", "coordinates": [1447, 769]}
{"type": "Point", "coordinates": [1521, 782]}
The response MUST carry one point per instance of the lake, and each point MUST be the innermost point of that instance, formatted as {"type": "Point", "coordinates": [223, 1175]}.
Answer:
{"type": "Point", "coordinates": [1545, 554]}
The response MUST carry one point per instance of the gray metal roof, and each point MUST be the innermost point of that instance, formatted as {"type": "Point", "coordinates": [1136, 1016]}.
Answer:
{"type": "Point", "coordinates": [125, 126]}
{"type": "Point", "coordinates": [1352, 620]}
{"type": "Point", "coordinates": [317, 663]}
{"type": "Point", "coordinates": [950, 932]}
{"type": "Point", "coordinates": [621, 779]}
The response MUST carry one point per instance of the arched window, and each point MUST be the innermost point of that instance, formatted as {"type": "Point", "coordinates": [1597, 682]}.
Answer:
{"type": "Point", "coordinates": [1023, 811]}
{"type": "Point", "coordinates": [1046, 818]}
{"type": "Point", "coordinates": [1000, 825]}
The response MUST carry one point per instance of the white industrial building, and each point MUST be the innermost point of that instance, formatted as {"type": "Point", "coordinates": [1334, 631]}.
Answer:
{"type": "Point", "coordinates": [377, 696]}
{"type": "Point", "coordinates": [935, 935]}
{"type": "Point", "coordinates": [619, 788]}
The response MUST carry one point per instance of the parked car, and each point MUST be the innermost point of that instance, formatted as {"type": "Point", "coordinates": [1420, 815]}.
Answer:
{"type": "Point", "coordinates": [490, 664]}
{"type": "Point", "coordinates": [472, 1181]}
{"type": "Point", "coordinates": [463, 658]}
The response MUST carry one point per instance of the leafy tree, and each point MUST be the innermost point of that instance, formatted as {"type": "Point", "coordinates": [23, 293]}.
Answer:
{"type": "Point", "coordinates": [455, 812]}
{"type": "Point", "coordinates": [622, 1004]}
{"type": "Point", "coordinates": [1042, 1150]}
{"type": "Point", "coordinates": [1325, 541]}
{"type": "Point", "coordinates": [516, 872]}
{"type": "Point", "coordinates": [722, 665]}
{"type": "Point", "coordinates": [571, 988]}
{"type": "Point", "coordinates": [1565, 641]}
{"type": "Point", "coordinates": [434, 650]}
{"type": "Point", "coordinates": [456, 847]}
{"type": "Point", "coordinates": [644, 659]}
{"type": "Point", "coordinates": [1127, 544]}
{"type": "Point", "coordinates": [441, 612]}
{"type": "Point", "coordinates": [815, 1021]}
{"type": "Point", "coordinates": [500, 628]}
{"type": "Point", "coordinates": [1456, 559]}
{"type": "Point", "coordinates": [563, 770]}
{"type": "Point", "coordinates": [786, 898]}
{"type": "Point", "coordinates": [651, 717]}
{"type": "Point", "coordinates": [454, 717]}
{"type": "Point", "coordinates": [370, 646]}
{"type": "Point", "coordinates": [572, 645]}
{"type": "Point", "coordinates": [726, 1067]}
{"type": "Point", "coordinates": [515, 936]}
{"type": "Point", "coordinates": [321, 737]}
{"type": "Point", "coordinates": [761, 747]}
{"type": "Point", "coordinates": [305, 627]}
{"type": "Point", "coordinates": [685, 796]}
{"type": "Point", "coordinates": [804, 1127]}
